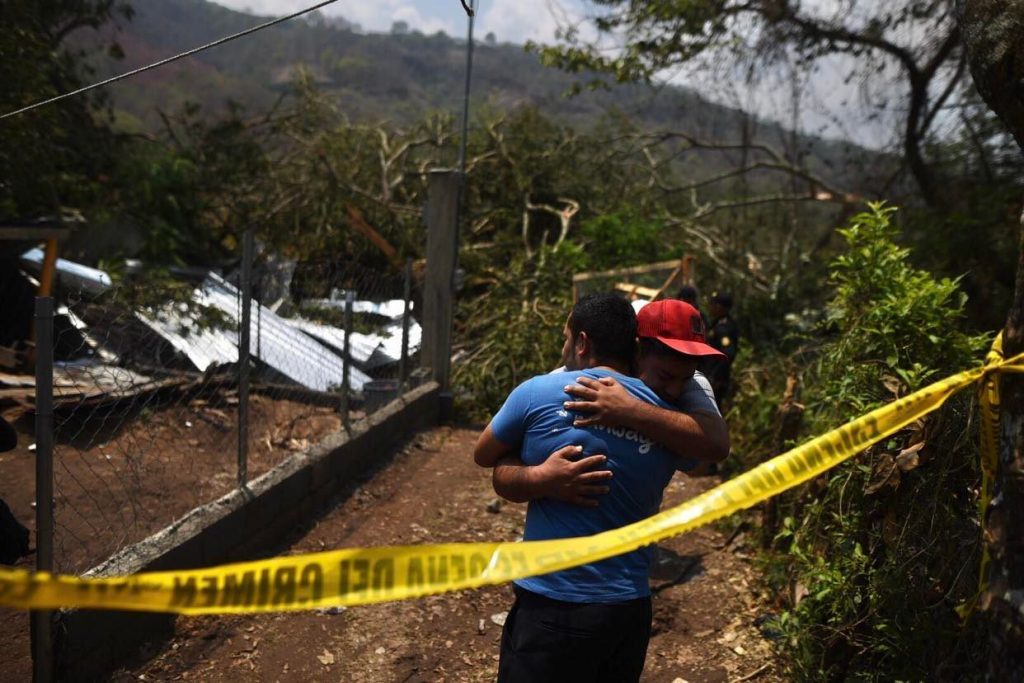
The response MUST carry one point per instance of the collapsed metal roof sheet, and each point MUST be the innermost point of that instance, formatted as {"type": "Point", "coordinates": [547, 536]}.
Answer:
{"type": "Point", "coordinates": [202, 346]}
{"type": "Point", "coordinates": [392, 308]}
{"type": "Point", "coordinates": [369, 350]}
{"type": "Point", "coordinates": [389, 348]}
{"type": "Point", "coordinates": [361, 348]}
{"type": "Point", "coordinates": [276, 341]}
{"type": "Point", "coordinates": [278, 344]}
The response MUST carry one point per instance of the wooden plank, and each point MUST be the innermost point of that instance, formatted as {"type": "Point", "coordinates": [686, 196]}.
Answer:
{"type": "Point", "coordinates": [675, 275]}
{"type": "Point", "coordinates": [12, 358]}
{"type": "Point", "coordinates": [49, 268]}
{"type": "Point", "coordinates": [632, 270]}
{"type": "Point", "coordinates": [635, 291]}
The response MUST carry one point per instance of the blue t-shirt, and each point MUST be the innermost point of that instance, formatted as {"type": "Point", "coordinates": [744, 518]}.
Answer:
{"type": "Point", "coordinates": [534, 420]}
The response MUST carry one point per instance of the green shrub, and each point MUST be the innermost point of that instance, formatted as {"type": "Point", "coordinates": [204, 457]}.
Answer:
{"type": "Point", "coordinates": [873, 558]}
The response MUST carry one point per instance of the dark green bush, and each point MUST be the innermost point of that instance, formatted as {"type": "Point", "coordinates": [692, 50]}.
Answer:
{"type": "Point", "coordinates": [873, 558]}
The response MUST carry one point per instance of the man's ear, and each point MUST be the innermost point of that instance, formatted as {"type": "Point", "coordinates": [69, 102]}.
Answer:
{"type": "Point", "coordinates": [581, 345]}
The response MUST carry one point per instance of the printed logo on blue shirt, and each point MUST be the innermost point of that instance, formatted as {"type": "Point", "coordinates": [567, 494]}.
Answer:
{"type": "Point", "coordinates": [645, 443]}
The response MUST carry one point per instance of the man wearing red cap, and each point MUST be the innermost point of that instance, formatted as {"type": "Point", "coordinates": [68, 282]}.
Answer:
{"type": "Point", "coordinates": [593, 622]}
{"type": "Point", "coordinates": [672, 343]}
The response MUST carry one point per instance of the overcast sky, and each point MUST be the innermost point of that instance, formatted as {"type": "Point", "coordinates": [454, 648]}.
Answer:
{"type": "Point", "coordinates": [514, 21]}
{"type": "Point", "coordinates": [825, 108]}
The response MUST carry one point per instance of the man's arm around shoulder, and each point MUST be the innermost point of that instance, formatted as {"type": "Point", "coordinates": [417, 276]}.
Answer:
{"type": "Point", "coordinates": [698, 435]}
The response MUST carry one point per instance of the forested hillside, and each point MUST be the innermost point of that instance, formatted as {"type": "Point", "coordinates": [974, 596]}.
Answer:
{"type": "Point", "coordinates": [400, 78]}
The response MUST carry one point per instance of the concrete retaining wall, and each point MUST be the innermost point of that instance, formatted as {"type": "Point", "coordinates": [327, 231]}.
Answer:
{"type": "Point", "coordinates": [241, 525]}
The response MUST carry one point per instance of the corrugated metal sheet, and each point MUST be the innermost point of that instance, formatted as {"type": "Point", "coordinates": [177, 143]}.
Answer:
{"type": "Point", "coordinates": [280, 345]}
{"type": "Point", "coordinates": [203, 347]}
{"type": "Point", "coordinates": [277, 342]}
{"type": "Point", "coordinates": [389, 350]}
{"type": "Point", "coordinates": [369, 350]}
{"type": "Point", "coordinates": [362, 346]}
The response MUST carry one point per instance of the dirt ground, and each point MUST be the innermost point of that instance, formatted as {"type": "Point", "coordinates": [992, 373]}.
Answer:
{"type": "Point", "coordinates": [121, 474]}
{"type": "Point", "coordinates": [705, 599]}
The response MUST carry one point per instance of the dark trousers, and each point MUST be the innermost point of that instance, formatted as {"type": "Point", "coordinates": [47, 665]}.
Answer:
{"type": "Point", "coordinates": [564, 642]}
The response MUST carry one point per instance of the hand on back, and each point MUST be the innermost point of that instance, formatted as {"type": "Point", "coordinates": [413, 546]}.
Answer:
{"type": "Point", "coordinates": [604, 400]}
{"type": "Point", "coordinates": [565, 478]}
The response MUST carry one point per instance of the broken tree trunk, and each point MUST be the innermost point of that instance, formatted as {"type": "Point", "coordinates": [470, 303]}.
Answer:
{"type": "Point", "coordinates": [991, 32]}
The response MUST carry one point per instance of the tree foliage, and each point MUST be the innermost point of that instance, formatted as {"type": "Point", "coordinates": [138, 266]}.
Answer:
{"type": "Point", "coordinates": [914, 43]}
{"type": "Point", "coordinates": [58, 156]}
{"type": "Point", "coordinates": [873, 559]}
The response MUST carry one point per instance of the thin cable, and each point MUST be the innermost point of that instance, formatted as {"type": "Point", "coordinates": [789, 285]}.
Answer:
{"type": "Point", "coordinates": [471, 12]}
{"type": "Point", "coordinates": [176, 57]}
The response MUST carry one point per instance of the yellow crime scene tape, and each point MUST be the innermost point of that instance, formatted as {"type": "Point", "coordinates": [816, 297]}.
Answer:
{"type": "Point", "coordinates": [359, 576]}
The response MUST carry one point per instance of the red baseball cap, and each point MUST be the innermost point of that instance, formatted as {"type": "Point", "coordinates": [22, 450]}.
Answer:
{"type": "Point", "coordinates": [677, 325]}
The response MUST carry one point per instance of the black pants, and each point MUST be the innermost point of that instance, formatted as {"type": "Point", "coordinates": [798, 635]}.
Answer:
{"type": "Point", "coordinates": [564, 642]}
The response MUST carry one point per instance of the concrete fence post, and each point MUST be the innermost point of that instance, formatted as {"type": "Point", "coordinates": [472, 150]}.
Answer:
{"type": "Point", "coordinates": [439, 283]}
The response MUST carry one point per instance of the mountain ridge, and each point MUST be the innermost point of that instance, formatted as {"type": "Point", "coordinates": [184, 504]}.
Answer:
{"type": "Point", "coordinates": [391, 77]}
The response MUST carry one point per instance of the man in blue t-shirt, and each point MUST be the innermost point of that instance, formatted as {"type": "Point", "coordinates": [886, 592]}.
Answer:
{"type": "Point", "coordinates": [590, 622]}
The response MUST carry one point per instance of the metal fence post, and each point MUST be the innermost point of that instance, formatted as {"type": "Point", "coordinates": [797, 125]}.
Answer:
{"type": "Point", "coordinates": [347, 360]}
{"type": "Point", "coordinates": [42, 620]}
{"type": "Point", "coordinates": [243, 360]}
{"type": "Point", "coordinates": [403, 362]}
{"type": "Point", "coordinates": [259, 316]}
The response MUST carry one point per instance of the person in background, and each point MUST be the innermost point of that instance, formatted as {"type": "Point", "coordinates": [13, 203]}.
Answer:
{"type": "Point", "coordinates": [8, 437]}
{"type": "Point", "coordinates": [690, 295]}
{"type": "Point", "coordinates": [724, 336]}
{"type": "Point", "coordinates": [13, 536]}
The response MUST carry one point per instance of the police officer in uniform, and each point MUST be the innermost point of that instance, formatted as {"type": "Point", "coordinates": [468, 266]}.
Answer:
{"type": "Point", "coordinates": [724, 336]}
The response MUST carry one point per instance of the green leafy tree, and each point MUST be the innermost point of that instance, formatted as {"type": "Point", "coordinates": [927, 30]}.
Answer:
{"type": "Point", "coordinates": [624, 238]}
{"type": "Point", "coordinates": [60, 155]}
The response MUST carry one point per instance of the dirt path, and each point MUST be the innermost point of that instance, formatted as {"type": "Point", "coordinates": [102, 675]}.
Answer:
{"type": "Point", "coordinates": [432, 492]}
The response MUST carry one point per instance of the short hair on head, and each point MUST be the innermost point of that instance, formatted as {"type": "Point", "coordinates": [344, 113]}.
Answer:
{"type": "Point", "coordinates": [610, 324]}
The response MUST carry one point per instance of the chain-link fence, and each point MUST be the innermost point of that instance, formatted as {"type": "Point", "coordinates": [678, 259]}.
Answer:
{"type": "Point", "coordinates": [158, 408]}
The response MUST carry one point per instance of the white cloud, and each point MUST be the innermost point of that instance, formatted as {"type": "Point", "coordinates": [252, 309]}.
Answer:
{"type": "Point", "coordinates": [379, 15]}
{"type": "Point", "coordinates": [261, 7]}
{"type": "Point", "coordinates": [517, 21]}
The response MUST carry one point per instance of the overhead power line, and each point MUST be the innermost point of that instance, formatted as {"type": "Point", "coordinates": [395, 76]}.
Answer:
{"type": "Point", "coordinates": [195, 50]}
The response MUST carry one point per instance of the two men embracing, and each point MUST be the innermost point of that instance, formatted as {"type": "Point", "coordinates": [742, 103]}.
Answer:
{"type": "Point", "coordinates": [594, 464]}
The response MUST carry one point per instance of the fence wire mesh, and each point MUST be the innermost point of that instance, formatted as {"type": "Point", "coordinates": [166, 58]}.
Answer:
{"type": "Point", "coordinates": [146, 387]}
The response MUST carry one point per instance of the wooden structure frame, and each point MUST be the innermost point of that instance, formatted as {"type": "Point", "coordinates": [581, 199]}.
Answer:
{"type": "Point", "coordinates": [682, 273]}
